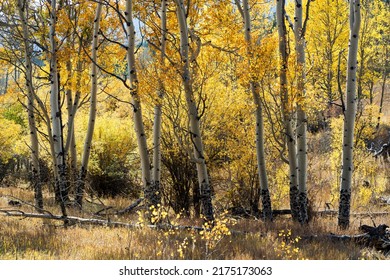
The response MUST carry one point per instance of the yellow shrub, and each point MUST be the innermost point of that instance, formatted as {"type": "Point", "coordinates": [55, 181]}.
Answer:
{"type": "Point", "coordinates": [9, 136]}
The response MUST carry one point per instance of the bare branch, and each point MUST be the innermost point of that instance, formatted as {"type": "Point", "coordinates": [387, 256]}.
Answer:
{"type": "Point", "coordinates": [238, 4]}
{"type": "Point", "coordinates": [232, 51]}
{"type": "Point", "coordinates": [111, 41]}
{"type": "Point", "coordinates": [339, 83]}
{"type": "Point", "coordinates": [303, 32]}
{"type": "Point", "coordinates": [290, 23]}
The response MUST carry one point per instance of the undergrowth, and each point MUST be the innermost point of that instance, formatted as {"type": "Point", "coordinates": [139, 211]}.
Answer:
{"type": "Point", "coordinates": [228, 238]}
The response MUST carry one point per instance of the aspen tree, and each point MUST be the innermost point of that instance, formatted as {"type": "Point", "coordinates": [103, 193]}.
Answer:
{"type": "Point", "coordinates": [55, 110]}
{"type": "Point", "coordinates": [70, 143]}
{"type": "Point", "coordinates": [149, 193]}
{"type": "Point", "coordinates": [194, 124]}
{"type": "Point", "coordinates": [254, 87]}
{"type": "Point", "coordinates": [72, 102]}
{"type": "Point", "coordinates": [22, 7]}
{"type": "Point", "coordinates": [327, 35]}
{"type": "Point", "coordinates": [349, 115]}
{"type": "Point", "coordinates": [92, 109]}
{"type": "Point", "coordinates": [287, 111]}
{"type": "Point", "coordinates": [156, 167]}
{"type": "Point", "coordinates": [299, 34]}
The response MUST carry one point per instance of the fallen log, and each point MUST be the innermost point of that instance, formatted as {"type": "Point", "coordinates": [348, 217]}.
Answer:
{"type": "Point", "coordinates": [331, 213]}
{"type": "Point", "coordinates": [103, 210]}
{"type": "Point", "coordinates": [373, 237]}
{"type": "Point", "coordinates": [239, 211]}
{"type": "Point", "coordinates": [376, 237]}
{"type": "Point", "coordinates": [130, 207]}
{"type": "Point", "coordinates": [361, 214]}
{"type": "Point", "coordinates": [72, 220]}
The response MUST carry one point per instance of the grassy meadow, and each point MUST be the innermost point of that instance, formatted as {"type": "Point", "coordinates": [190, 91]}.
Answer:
{"type": "Point", "coordinates": [231, 238]}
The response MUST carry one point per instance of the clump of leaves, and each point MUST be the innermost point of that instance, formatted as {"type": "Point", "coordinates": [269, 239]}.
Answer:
{"type": "Point", "coordinates": [288, 248]}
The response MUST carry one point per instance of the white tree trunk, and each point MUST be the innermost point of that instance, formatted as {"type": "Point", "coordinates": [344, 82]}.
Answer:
{"type": "Point", "coordinates": [195, 133]}
{"type": "Point", "coordinates": [137, 112]}
{"type": "Point", "coordinates": [349, 115]}
{"type": "Point", "coordinates": [46, 118]}
{"type": "Point", "coordinates": [73, 105]}
{"type": "Point", "coordinates": [70, 142]}
{"type": "Point", "coordinates": [92, 109]}
{"type": "Point", "coordinates": [70, 146]}
{"type": "Point", "coordinates": [56, 117]}
{"type": "Point", "coordinates": [156, 167]}
{"type": "Point", "coordinates": [260, 153]}
{"type": "Point", "coordinates": [301, 114]}
{"type": "Point", "coordinates": [34, 144]}
{"type": "Point", "coordinates": [288, 114]}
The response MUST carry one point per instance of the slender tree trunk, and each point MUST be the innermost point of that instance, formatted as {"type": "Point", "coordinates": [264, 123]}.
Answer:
{"type": "Point", "coordinates": [301, 114]}
{"type": "Point", "coordinates": [46, 116]}
{"type": "Point", "coordinates": [56, 118]}
{"type": "Point", "coordinates": [260, 153]}
{"type": "Point", "coordinates": [156, 167]}
{"type": "Point", "coordinates": [35, 172]}
{"type": "Point", "coordinates": [349, 116]}
{"type": "Point", "coordinates": [70, 146]}
{"type": "Point", "coordinates": [383, 88]}
{"type": "Point", "coordinates": [288, 114]}
{"type": "Point", "coordinates": [6, 82]}
{"type": "Point", "coordinates": [195, 133]}
{"type": "Point", "coordinates": [70, 150]}
{"type": "Point", "coordinates": [92, 110]}
{"type": "Point", "coordinates": [364, 26]}
{"type": "Point", "coordinates": [371, 91]}
{"type": "Point", "coordinates": [73, 153]}
{"type": "Point", "coordinates": [47, 121]}
{"type": "Point", "coordinates": [261, 164]}
{"type": "Point", "coordinates": [73, 105]}
{"type": "Point", "coordinates": [149, 192]}
{"type": "Point", "coordinates": [360, 80]}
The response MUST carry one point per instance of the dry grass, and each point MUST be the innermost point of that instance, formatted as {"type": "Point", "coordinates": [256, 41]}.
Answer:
{"type": "Point", "coordinates": [43, 239]}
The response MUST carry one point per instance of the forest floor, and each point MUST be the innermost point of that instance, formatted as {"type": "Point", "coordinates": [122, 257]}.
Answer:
{"type": "Point", "coordinates": [231, 238]}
